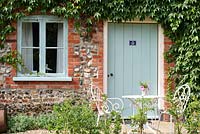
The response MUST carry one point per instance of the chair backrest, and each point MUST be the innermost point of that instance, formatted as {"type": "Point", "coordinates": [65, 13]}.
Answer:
{"type": "Point", "coordinates": [104, 104]}
{"type": "Point", "coordinates": [181, 97]}
{"type": "Point", "coordinates": [113, 104]}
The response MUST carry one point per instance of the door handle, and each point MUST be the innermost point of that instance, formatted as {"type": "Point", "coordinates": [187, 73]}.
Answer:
{"type": "Point", "coordinates": [110, 75]}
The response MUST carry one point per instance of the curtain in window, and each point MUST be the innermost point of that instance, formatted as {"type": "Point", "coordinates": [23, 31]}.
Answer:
{"type": "Point", "coordinates": [27, 44]}
{"type": "Point", "coordinates": [60, 49]}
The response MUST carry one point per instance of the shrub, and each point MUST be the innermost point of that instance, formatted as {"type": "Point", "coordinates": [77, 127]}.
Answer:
{"type": "Point", "coordinates": [140, 118]}
{"type": "Point", "coordinates": [192, 123]}
{"type": "Point", "coordinates": [43, 120]}
{"type": "Point", "coordinates": [74, 116]}
{"type": "Point", "coordinates": [71, 116]}
{"type": "Point", "coordinates": [21, 123]}
{"type": "Point", "coordinates": [111, 124]}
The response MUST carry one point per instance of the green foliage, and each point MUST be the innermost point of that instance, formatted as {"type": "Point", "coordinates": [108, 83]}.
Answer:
{"type": "Point", "coordinates": [43, 120]}
{"type": "Point", "coordinates": [116, 121]}
{"type": "Point", "coordinates": [21, 123]}
{"type": "Point", "coordinates": [73, 117]}
{"type": "Point", "coordinates": [190, 119]}
{"type": "Point", "coordinates": [111, 124]}
{"type": "Point", "coordinates": [180, 20]}
{"type": "Point", "coordinates": [76, 116]}
{"type": "Point", "coordinates": [193, 117]}
{"type": "Point", "coordinates": [174, 111]}
{"type": "Point", "coordinates": [13, 58]}
{"type": "Point", "coordinates": [140, 118]}
{"type": "Point", "coordinates": [144, 84]}
{"type": "Point", "coordinates": [183, 29]}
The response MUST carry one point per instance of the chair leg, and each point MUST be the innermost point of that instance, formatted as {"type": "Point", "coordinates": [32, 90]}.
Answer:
{"type": "Point", "coordinates": [171, 124]}
{"type": "Point", "coordinates": [159, 123]}
{"type": "Point", "coordinates": [123, 121]}
{"type": "Point", "coordinates": [98, 118]}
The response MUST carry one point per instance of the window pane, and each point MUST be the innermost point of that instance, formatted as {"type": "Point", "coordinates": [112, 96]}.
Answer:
{"type": "Point", "coordinates": [54, 35]}
{"type": "Point", "coordinates": [51, 59]}
{"type": "Point", "coordinates": [54, 60]}
{"type": "Point", "coordinates": [36, 34]}
{"type": "Point", "coordinates": [36, 60]}
{"type": "Point", "coordinates": [54, 56]}
{"type": "Point", "coordinates": [30, 34]}
{"type": "Point", "coordinates": [31, 59]}
{"type": "Point", "coordinates": [60, 60]}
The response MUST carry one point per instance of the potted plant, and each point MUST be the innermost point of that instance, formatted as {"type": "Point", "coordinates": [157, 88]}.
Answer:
{"type": "Point", "coordinates": [144, 88]}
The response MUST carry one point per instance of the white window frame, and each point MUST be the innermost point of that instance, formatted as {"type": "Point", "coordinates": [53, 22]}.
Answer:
{"type": "Point", "coordinates": [43, 20]}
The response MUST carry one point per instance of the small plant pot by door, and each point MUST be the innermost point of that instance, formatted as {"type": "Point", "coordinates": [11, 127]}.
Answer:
{"type": "Point", "coordinates": [144, 92]}
{"type": "Point", "coordinates": [3, 121]}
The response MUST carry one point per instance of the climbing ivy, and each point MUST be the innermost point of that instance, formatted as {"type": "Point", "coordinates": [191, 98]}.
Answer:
{"type": "Point", "coordinates": [179, 19]}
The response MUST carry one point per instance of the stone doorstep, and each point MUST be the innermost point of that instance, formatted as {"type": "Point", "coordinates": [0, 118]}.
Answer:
{"type": "Point", "coordinates": [164, 128]}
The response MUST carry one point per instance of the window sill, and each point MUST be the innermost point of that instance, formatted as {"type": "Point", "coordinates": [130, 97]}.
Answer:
{"type": "Point", "coordinates": [42, 78]}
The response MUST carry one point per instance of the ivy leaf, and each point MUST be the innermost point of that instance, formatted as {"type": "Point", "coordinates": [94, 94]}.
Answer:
{"type": "Point", "coordinates": [97, 15]}
{"type": "Point", "coordinates": [198, 53]}
{"type": "Point", "coordinates": [29, 9]}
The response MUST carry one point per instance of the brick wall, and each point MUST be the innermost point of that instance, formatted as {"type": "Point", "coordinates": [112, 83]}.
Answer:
{"type": "Point", "coordinates": [74, 60]}
{"type": "Point", "coordinates": [83, 67]}
{"type": "Point", "coordinates": [167, 44]}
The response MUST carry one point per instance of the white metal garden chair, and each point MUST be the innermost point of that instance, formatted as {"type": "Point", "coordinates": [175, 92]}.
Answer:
{"type": "Point", "coordinates": [180, 98]}
{"type": "Point", "coordinates": [105, 105]}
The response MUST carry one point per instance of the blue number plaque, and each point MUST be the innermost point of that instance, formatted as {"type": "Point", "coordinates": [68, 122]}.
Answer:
{"type": "Point", "coordinates": [132, 42]}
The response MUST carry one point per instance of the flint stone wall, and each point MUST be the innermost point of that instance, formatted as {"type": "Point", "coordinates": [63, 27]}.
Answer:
{"type": "Point", "coordinates": [86, 70]}
{"type": "Point", "coordinates": [33, 102]}
{"type": "Point", "coordinates": [5, 70]}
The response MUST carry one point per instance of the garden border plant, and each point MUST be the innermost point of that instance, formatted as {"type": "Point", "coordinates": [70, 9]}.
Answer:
{"type": "Point", "coordinates": [22, 122]}
{"type": "Point", "coordinates": [76, 116]}
{"type": "Point", "coordinates": [138, 120]}
{"type": "Point", "coordinates": [180, 20]}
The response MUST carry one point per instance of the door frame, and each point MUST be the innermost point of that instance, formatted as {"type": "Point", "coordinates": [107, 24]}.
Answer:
{"type": "Point", "coordinates": [160, 54]}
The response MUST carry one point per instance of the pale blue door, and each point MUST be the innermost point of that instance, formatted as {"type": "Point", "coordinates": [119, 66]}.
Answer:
{"type": "Point", "coordinates": [132, 57]}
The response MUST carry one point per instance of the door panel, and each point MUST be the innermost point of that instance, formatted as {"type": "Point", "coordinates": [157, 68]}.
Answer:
{"type": "Point", "coordinates": [132, 57]}
{"type": "Point", "coordinates": [118, 73]}
{"type": "Point", "coordinates": [111, 55]}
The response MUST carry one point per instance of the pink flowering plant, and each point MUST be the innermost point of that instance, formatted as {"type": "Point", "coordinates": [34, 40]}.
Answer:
{"type": "Point", "coordinates": [144, 86]}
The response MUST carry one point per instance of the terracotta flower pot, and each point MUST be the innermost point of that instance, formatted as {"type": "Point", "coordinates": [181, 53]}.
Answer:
{"type": "Point", "coordinates": [3, 121]}
{"type": "Point", "coordinates": [144, 92]}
